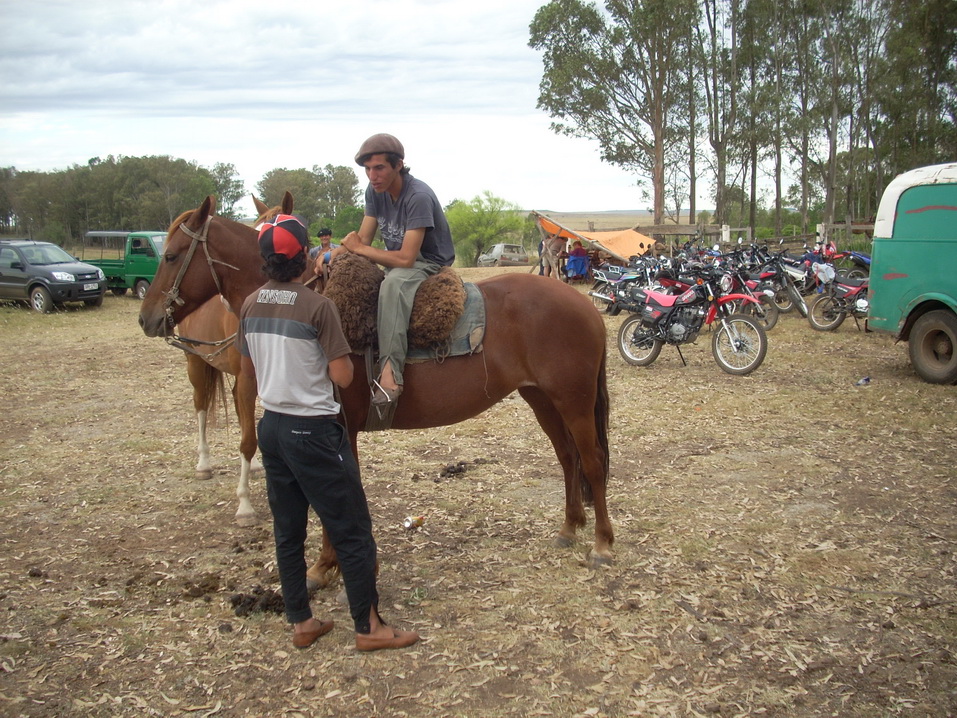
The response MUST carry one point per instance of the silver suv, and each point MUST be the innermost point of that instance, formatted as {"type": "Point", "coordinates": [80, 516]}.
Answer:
{"type": "Point", "coordinates": [502, 255]}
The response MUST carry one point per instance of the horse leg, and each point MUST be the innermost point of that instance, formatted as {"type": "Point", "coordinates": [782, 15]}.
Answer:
{"type": "Point", "coordinates": [202, 377]}
{"type": "Point", "coordinates": [574, 434]}
{"type": "Point", "coordinates": [554, 427]}
{"type": "Point", "coordinates": [244, 399]}
{"type": "Point", "coordinates": [592, 466]}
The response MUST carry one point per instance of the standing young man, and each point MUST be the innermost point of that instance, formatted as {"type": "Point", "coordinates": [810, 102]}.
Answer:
{"type": "Point", "coordinates": [418, 243]}
{"type": "Point", "coordinates": [292, 343]}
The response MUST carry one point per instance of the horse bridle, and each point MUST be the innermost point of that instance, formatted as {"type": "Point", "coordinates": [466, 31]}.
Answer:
{"type": "Point", "coordinates": [172, 294]}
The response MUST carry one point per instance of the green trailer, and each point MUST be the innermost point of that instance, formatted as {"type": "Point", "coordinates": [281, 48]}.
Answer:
{"type": "Point", "coordinates": [128, 259]}
{"type": "Point", "coordinates": [913, 285]}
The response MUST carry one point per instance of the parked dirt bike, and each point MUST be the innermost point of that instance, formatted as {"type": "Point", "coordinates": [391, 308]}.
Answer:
{"type": "Point", "coordinates": [841, 298]}
{"type": "Point", "coordinates": [781, 276]}
{"type": "Point", "coordinates": [738, 343]}
{"type": "Point", "coordinates": [861, 268]}
{"type": "Point", "coordinates": [736, 280]}
{"type": "Point", "coordinates": [613, 285]}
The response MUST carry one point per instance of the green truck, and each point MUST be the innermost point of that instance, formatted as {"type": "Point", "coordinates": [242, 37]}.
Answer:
{"type": "Point", "coordinates": [128, 259]}
{"type": "Point", "coordinates": [913, 284]}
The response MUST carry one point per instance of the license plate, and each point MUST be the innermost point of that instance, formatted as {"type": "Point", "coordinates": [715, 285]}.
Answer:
{"type": "Point", "coordinates": [91, 287]}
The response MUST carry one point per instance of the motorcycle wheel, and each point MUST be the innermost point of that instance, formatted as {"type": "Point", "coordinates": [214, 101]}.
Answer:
{"type": "Point", "coordinates": [783, 301]}
{"type": "Point", "coordinates": [636, 346]}
{"type": "Point", "coordinates": [766, 313]}
{"type": "Point", "coordinates": [739, 344]}
{"type": "Point", "coordinates": [856, 273]}
{"type": "Point", "coordinates": [826, 313]}
{"type": "Point", "coordinates": [798, 300]}
{"type": "Point", "coordinates": [602, 288]}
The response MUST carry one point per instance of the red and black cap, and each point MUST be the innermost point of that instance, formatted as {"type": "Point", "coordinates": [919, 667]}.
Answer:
{"type": "Point", "coordinates": [285, 235]}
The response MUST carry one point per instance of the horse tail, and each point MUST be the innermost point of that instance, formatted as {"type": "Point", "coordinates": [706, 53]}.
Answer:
{"type": "Point", "coordinates": [209, 387]}
{"type": "Point", "coordinates": [602, 409]}
{"type": "Point", "coordinates": [601, 430]}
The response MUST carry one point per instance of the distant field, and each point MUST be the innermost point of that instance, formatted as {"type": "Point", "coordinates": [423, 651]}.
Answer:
{"type": "Point", "coordinates": [599, 221]}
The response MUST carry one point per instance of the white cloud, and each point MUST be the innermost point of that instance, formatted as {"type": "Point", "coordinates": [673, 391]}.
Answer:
{"type": "Point", "coordinates": [295, 84]}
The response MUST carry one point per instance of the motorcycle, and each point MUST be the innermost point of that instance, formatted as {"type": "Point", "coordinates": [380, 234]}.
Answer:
{"type": "Point", "coordinates": [736, 280]}
{"type": "Point", "coordinates": [782, 277]}
{"type": "Point", "coordinates": [842, 297]}
{"type": "Point", "coordinates": [738, 344]}
{"type": "Point", "coordinates": [861, 268]}
{"type": "Point", "coordinates": [613, 285]}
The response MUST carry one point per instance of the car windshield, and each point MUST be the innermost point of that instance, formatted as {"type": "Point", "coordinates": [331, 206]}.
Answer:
{"type": "Point", "coordinates": [47, 254]}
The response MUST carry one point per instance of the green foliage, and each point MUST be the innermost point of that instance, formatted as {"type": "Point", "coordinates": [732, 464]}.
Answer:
{"type": "Point", "coordinates": [346, 220]}
{"type": "Point", "coordinates": [322, 192]}
{"type": "Point", "coordinates": [481, 222]}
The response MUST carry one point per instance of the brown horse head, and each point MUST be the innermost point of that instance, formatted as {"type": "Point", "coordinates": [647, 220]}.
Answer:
{"type": "Point", "coordinates": [266, 212]}
{"type": "Point", "coordinates": [200, 260]}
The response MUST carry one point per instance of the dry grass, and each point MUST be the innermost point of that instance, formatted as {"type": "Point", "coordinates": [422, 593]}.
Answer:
{"type": "Point", "coordinates": [785, 545]}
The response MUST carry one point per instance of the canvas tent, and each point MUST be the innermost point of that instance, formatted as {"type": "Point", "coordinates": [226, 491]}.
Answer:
{"type": "Point", "coordinates": [623, 244]}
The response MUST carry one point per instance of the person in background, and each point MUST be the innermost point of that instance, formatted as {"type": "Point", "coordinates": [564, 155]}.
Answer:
{"type": "Point", "coordinates": [553, 246]}
{"type": "Point", "coordinates": [418, 243]}
{"type": "Point", "coordinates": [323, 253]}
{"type": "Point", "coordinates": [291, 343]}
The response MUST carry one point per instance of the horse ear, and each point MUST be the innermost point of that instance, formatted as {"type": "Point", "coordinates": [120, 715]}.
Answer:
{"type": "Point", "coordinates": [261, 207]}
{"type": "Point", "coordinates": [287, 202]}
{"type": "Point", "coordinates": [206, 209]}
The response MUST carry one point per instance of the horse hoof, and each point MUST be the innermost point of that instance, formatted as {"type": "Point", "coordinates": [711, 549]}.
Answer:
{"type": "Point", "coordinates": [596, 561]}
{"type": "Point", "coordinates": [246, 520]}
{"type": "Point", "coordinates": [564, 541]}
{"type": "Point", "coordinates": [311, 586]}
{"type": "Point", "coordinates": [204, 474]}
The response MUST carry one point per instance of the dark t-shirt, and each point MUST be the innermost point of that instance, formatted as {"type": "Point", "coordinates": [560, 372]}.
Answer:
{"type": "Point", "coordinates": [416, 207]}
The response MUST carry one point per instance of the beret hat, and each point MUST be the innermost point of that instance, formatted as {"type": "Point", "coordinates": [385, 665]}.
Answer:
{"type": "Point", "coordinates": [380, 144]}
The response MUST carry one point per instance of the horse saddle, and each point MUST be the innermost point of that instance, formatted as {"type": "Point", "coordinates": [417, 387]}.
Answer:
{"type": "Point", "coordinates": [448, 315]}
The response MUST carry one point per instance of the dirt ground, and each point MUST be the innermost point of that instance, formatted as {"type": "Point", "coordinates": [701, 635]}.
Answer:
{"type": "Point", "coordinates": [785, 545]}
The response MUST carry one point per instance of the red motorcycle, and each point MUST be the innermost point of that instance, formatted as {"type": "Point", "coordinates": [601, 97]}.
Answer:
{"type": "Point", "coordinates": [840, 298]}
{"type": "Point", "coordinates": [738, 342]}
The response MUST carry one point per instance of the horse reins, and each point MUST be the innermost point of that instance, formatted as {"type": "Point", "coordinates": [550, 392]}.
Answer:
{"type": "Point", "coordinates": [172, 295]}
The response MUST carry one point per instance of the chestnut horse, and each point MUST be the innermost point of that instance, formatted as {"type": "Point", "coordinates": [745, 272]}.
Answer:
{"type": "Point", "coordinates": [206, 336]}
{"type": "Point", "coordinates": [543, 339]}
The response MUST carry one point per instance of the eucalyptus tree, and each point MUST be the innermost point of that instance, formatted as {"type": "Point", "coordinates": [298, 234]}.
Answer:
{"type": "Point", "coordinates": [918, 92]}
{"type": "Point", "coordinates": [616, 76]}
{"type": "Point", "coordinates": [229, 189]}
{"type": "Point", "coordinates": [717, 41]}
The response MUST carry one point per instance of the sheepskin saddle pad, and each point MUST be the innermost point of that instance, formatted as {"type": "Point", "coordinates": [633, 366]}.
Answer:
{"type": "Point", "coordinates": [448, 316]}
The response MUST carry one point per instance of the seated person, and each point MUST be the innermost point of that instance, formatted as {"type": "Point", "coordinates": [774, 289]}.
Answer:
{"type": "Point", "coordinates": [577, 264]}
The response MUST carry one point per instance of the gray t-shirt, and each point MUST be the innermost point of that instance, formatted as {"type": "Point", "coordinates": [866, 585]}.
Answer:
{"type": "Point", "coordinates": [416, 207]}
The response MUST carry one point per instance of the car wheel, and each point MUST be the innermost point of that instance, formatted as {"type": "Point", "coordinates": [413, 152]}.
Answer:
{"type": "Point", "coordinates": [119, 291]}
{"type": "Point", "coordinates": [141, 288]}
{"type": "Point", "coordinates": [41, 300]}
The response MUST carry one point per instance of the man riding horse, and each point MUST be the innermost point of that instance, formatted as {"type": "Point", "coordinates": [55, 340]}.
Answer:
{"type": "Point", "coordinates": [418, 243]}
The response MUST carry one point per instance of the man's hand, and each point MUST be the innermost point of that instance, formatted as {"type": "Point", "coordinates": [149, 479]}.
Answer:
{"type": "Point", "coordinates": [353, 243]}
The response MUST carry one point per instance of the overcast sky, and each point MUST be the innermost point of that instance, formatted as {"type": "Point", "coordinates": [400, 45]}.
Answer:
{"type": "Point", "coordinates": [288, 84]}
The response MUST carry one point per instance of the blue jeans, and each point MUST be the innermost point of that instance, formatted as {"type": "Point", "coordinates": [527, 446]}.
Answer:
{"type": "Point", "coordinates": [309, 462]}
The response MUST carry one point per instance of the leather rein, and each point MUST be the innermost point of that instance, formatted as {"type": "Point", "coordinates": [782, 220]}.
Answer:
{"type": "Point", "coordinates": [172, 295]}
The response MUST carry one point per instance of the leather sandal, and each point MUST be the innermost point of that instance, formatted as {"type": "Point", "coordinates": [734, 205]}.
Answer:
{"type": "Point", "coordinates": [307, 638]}
{"type": "Point", "coordinates": [398, 639]}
